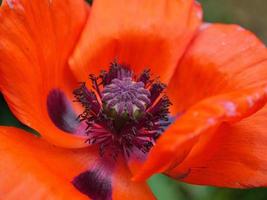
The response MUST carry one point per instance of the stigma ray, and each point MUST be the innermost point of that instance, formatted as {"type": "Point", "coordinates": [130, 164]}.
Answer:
{"type": "Point", "coordinates": [123, 111]}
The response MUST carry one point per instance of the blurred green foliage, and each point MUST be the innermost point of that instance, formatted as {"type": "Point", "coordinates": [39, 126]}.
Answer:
{"type": "Point", "coordinates": [6, 117]}
{"type": "Point", "coordinates": [249, 14]}
{"type": "Point", "coordinates": [165, 188]}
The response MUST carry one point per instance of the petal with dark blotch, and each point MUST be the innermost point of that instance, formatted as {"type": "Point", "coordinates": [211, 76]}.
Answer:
{"type": "Point", "coordinates": [110, 179]}
{"type": "Point", "coordinates": [32, 168]}
{"type": "Point", "coordinates": [36, 169]}
{"type": "Point", "coordinates": [61, 112]}
{"type": "Point", "coordinates": [37, 38]}
{"type": "Point", "coordinates": [96, 182]}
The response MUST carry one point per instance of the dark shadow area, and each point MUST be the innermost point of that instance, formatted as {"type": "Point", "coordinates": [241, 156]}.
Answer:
{"type": "Point", "coordinates": [8, 119]}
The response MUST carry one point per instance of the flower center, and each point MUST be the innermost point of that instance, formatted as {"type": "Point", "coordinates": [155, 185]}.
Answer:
{"type": "Point", "coordinates": [123, 112]}
{"type": "Point", "coordinates": [126, 95]}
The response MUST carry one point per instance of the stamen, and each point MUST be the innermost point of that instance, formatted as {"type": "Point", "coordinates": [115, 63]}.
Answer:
{"type": "Point", "coordinates": [123, 111]}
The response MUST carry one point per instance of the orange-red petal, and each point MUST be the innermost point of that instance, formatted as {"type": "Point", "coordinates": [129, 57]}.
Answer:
{"type": "Point", "coordinates": [124, 188]}
{"type": "Point", "coordinates": [37, 38]}
{"type": "Point", "coordinates": [233, 156]}
{"type": "Point", "coordinates": [220, 59]}
{"type": "Point", "coordinates": [221, 79]}
{"type": "Point", "coordinates": [33, 169]}
{"type": "Point", "coordinates": [203, 118]}
{"type": "Point", "coordinates": [143, 34]}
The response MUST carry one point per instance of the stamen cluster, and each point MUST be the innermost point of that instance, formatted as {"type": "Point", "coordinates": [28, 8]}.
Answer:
{"type": "Point", "coordinates": [123, 112]}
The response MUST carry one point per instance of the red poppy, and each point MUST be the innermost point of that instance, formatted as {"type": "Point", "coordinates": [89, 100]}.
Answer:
{"type": "Point", "coordinates": [214, 75]}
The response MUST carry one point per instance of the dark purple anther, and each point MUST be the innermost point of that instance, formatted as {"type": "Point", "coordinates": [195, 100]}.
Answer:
{"type": "Point", "coordinates": [87, 98]}
{"type": "Point", "coordinates": [115, 71]}
{"type": "Point", "coordinates": [145, 77]}
{"type": "Point", "coordinates": [155, 90]}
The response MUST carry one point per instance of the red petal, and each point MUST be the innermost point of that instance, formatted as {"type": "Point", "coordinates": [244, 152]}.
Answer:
{"type": "Point", "coordinates": [143, 34]}
{"type": "Point", "coordinates": [203, 118]}
{"type": "Point", "coordinates": [30, 167]}
{"type": "Point", "coordinates": [221, 58]}
{"type": "Point", "coordinates": [37, 38]}
{"type": "Point", "coordinates": [233, 156]}
{"type": "Point", "coordinates": [124, 188]}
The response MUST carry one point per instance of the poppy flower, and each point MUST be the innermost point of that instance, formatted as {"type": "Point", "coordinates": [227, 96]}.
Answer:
{"type": "Point", "coordinates": [119, 92]}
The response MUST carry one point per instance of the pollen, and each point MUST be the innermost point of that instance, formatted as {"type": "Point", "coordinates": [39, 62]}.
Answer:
{"type": "Point", "coordinates": [123, 111]}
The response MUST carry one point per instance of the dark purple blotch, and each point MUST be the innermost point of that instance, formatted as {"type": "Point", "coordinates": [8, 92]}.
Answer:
{"type": "Point", "coordinates": [94, 184]}
{"type": "Point", "coordinates": [61, 112]}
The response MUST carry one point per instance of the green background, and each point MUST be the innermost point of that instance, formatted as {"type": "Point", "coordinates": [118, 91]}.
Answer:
{"type": "Point", "coordinates": [251, 14]}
